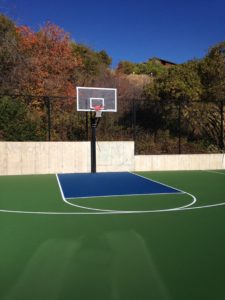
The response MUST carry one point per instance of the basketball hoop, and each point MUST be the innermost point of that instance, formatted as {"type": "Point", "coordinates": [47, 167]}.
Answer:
{"type": "Point", "coordinates": [98, 110]}
{"type": "Point", "coordinates": [96, 100]}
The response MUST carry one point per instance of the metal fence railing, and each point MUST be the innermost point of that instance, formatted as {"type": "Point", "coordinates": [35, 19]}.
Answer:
{"type": "Point", "coordinates": [179, 127]}
{"type": "Point", "coordinates": [157, 127]}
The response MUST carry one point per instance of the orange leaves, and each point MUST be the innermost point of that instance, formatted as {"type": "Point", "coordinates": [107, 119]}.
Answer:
{"type": "Point", "coordinates": [27, 37]}
{"type": "Point", "coordinates": [48, 61]}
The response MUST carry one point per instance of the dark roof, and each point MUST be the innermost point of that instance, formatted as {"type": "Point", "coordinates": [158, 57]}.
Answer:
{"type": "Point", "coordinates": [163, 61]}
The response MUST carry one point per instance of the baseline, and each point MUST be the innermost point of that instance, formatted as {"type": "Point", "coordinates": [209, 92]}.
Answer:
{"type": "Point", "coordinates": [216, 172]}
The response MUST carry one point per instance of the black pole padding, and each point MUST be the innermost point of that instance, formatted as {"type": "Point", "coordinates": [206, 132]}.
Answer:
{"type": "Point", "coordinates": [87, 127]}
{"type": "Point", "coordinates": [94, 124]}
{"type": "Point", "coordinates": [93, 144]}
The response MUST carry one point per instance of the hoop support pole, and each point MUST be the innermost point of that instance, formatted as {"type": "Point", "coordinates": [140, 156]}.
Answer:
{"type": "Point", "coordinates": [93, 144]}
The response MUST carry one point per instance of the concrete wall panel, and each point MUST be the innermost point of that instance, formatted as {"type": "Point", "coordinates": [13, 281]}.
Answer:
{"type": "Point", "coordinates": [69, 157]}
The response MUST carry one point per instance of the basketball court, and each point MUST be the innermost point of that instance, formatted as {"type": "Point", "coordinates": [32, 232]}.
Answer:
{"type": "Point", "coordinates": [112, 235]}
{"type": "Point", "coordinates": [162, 245]}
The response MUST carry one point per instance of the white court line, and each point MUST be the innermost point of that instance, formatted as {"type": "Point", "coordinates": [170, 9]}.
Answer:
{"type": "Point", "coordinates": [114, 212]}
{"type": "Point", "coordinates": [110, 210]}
{"type": "Point", "coordinates": [60, 187]}
{"type": "Point", "coordinates": [76, 205]}
{"type": "Point", "coordinates": [128, 211]}
{"type": "Point", "coordinates": [107, 213]}
{"type": "Point", "coordinates": [205, 206]}
{"type": "Point", "coordinates": [211, 171]}
{"type": "Point", "coordinates": [157, 182]}
{"type": "Point", "coordinates": [93, 210]}
{"type": "Point", "coordinates": [137, 211]}
{"type": "Point", "coordinates": [129, 195]}
{"type": "Point", "coordinates": [50, 212]}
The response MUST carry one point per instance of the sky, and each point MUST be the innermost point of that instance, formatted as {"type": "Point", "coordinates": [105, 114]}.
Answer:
{"type": "Point", "coordinates": [133, 30]}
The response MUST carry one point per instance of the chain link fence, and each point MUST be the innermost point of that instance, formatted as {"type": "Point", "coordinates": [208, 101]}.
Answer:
{"type": "Point", "coordinates": [157, 127]}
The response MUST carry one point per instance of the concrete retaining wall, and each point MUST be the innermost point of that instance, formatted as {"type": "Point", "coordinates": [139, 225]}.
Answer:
{"type": "Point", "coordinates": [63, 157]}
{"type": "Point", "coordinates": [67, 157]}
{"type": "Point", "coordinates": [179, 162]}
{"type": "Point", "coordinates": [115, 156]}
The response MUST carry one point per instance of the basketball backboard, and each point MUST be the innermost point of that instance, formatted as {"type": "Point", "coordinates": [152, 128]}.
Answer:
{"type": "Point", "coordinates": [90, 97]}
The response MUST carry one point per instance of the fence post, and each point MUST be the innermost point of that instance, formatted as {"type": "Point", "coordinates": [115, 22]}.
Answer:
{"type": "Point", "coordinates": [221, 126]}
{"type": "Point", "coordinates": [179, 127]}
{"type": "Point", "coordinates": [48, 106]}
{"type": "Point", "coordinates": [134, 125]}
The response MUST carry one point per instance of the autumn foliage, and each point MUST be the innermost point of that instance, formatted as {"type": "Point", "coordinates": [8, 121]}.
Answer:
{"type": "Point", "coordinates": [39, 72]}
{"type": "Point", "coordinates": [47, 61]}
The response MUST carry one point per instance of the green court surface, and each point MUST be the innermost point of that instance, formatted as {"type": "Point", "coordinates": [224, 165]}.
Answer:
{"type": "Point", "coordinates": [155, 247]}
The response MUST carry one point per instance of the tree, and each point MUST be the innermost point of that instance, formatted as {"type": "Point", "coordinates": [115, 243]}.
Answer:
{"type": "Point", "coordinates": [125, 67]}
{"type": "Point", "coordinates": [213, 73]}
{"type": "Point", "coordinates": [181, 82]}
{"type": "Point", "coordinates": [94, 67]}
{"type": "Point", "coordinates": [9, 57]}
{"type": "Point", "coordinates": [46, 68]}
{"type": "Point", "coordinates": [48, 61]}
{"type": "Point", "coordinates": [15, 122]}
{"type": "Point", "coordinates": [154, 68]}
{"type": "Point", "coordinates": [89, 67]}
{"type": "Point", "coordinates": [104, 58]}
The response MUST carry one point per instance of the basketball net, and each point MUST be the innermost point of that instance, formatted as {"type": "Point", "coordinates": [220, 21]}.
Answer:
{"type": "Point", "coordinates": [98, 110]}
